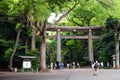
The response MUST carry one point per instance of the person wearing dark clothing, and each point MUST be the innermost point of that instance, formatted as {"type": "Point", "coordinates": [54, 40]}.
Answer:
{"type": "Point", "coordinates": [96, 67]}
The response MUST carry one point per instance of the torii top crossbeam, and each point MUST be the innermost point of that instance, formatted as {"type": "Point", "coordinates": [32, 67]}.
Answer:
{"type": "Point", "coordinates": [74, 29]}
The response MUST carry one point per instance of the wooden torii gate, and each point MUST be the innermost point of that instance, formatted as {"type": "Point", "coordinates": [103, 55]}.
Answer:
{"type": "Point", "coordinates": [74, 29]}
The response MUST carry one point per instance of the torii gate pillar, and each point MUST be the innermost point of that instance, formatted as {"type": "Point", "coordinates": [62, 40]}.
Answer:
{"type": "Point", "coordinates": [58, 46]}
{"type": "Point", "coordinates": [90, 46]}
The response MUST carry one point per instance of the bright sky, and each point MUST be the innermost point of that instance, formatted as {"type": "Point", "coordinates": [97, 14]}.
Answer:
{"type": "Point", "coordinates": [53, 17]}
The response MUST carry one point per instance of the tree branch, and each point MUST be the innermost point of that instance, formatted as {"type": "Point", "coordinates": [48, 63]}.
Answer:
{"type": "Point", "coordinates": [44, 26]}
{"type": "Point", "coordinates": [65, 14]}
{"type": "Point", "coordinates": [37, 25]}
{"type": "Point", "coordinates": [75, 22]}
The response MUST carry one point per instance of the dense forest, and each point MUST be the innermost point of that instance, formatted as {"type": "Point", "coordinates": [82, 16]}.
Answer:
{"type": "Point", "coordinates": [23, 31]}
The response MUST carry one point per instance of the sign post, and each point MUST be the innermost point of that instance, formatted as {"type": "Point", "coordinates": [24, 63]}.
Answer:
{"type": "Point", "coordinates": [26, 64]}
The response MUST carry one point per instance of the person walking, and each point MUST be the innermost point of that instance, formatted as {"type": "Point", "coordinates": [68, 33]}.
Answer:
{"type": "Point", "coordinates": [101, 65]}
{"type": "Point", "coordinates": [78, 65]}
{"type": "Point", "coordinates": [96, 67]}
{"type": "Point", "coordinates": [51, 65]}
{"type": "Point", "coordinates": [108, 65]}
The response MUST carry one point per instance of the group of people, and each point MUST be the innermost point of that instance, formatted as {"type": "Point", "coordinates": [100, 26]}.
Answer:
{"type": "Point", "coordinates": [95, 66]}
{"type": "Point", "coordinates": [73, 65]}
{"type": "Point", "coordinates": [57, 65]}
{"type": "Point", "coordinates": [60, 65]}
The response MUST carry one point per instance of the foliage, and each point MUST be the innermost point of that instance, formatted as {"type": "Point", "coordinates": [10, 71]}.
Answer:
{"type": "Point", "coordinates": [5, 49]}
{"type": "Point", "coordinates": [51, 52]}
{"type": "Point", "coordinates": [87, 13]}
{"type": "Point", "coordinates": [8, 54]}
{"type": "Point", "coordinates": [107, 47]}
{"type": "Point", "coordinates": [35, 62]}
{"type": "Point", "coordinates": [111, 23]}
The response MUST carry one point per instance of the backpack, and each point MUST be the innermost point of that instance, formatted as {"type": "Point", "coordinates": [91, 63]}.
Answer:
{"type": "Point", "coordinates": [96, 65]}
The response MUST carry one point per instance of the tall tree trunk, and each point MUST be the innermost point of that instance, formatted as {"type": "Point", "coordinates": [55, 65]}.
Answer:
{"type": "Point", "coordinates": [43, 53]}
{"type": "Point", "coordinates": [32, 24]}
{"type": "Point", "coordinates": [26, 44]}
{"type": "Point", "coordinates": [117, 54]}
{"type": "Point", "coordinates": [33, 38]}
{"type": "Point", "coordinates": [43, 47]}
{"type": "Point", "coordinates": [116, 36]}
{"type": "Point", "coordinates": [15, 47]}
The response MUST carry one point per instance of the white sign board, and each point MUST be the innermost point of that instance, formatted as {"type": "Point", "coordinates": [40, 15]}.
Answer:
{"type": "Point", "coordinates": [26, 64]}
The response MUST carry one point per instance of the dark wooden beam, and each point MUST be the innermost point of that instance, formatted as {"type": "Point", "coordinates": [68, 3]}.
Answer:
{"type": "Point", "coordinates": [75, 37]}
{"type": "Point", "coordinates": [73, 28]}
